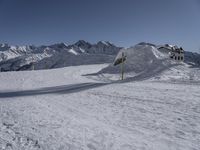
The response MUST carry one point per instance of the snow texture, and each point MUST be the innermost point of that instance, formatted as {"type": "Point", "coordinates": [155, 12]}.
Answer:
{"type": "Point", "coordinates": [87, 107]}
{"type": "Point", "coordinates": [61, 109]}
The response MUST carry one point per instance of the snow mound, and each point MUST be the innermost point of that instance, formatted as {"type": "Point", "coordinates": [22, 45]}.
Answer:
{"type": "Point", "coordinates": [148, 61]}
{"type": "Point", "coordinates": [140, 58]}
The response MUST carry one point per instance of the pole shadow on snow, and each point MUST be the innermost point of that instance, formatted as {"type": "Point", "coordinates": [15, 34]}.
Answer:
{"type": "Point", "coordinates": [65, 89]}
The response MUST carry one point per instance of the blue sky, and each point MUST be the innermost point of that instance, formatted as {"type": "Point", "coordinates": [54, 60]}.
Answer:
{"type": "Point", "coordinates": [123, 22]}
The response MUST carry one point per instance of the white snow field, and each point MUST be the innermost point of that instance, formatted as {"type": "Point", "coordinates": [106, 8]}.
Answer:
{"type": "Point", "coordinates": [60, 109]}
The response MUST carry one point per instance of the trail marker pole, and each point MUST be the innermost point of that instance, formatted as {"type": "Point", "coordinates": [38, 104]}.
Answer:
{"type": "Point", "coordinates": [122, 66]}
{"type": "Point", "coordinates": [120, 61]}
{"type": "Point", "coordinates": [33, 67]}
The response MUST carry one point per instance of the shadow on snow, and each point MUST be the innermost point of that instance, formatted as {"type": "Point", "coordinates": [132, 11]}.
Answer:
{"type": "Point", "coordinates": [73, 88]}
{"type": "Point", "coordinates": [65, 89]}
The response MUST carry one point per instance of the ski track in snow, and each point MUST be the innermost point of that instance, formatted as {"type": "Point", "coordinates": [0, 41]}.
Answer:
{"type": "Point", "coordinates": [145, 115]}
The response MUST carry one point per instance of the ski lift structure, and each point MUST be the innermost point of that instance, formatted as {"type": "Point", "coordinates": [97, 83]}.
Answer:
{"type": "Point", "coordinates": [177, 53]}
{"type": "Point", "coordinates": [120, 61]}
{"type": "Point", "coordinates": [174, 52]}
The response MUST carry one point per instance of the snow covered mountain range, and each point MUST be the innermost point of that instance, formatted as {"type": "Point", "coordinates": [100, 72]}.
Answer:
{"type": "Point", "coordinates": [16, 58]}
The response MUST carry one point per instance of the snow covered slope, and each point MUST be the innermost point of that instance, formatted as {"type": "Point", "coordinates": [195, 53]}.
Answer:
{"type": "Point", "coordinates": [144, 61]}
{"type": "Point", "coordinates": [59, 109]}
{"type": "Point", "coordinates": [8, 52]}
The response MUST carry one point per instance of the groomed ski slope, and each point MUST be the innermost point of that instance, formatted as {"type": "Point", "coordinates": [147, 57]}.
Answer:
{"type": "Point", "coordinates": [60, 109]}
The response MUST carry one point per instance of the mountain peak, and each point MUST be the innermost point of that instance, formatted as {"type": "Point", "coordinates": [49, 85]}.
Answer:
{"type": "Point", "coordinates": [59, 45]}
{"type": "Point", "coordinates": [145, 43]}
{"type": "Point", "coordinates": [106, 43]}
{"type": "Point", "coordinates": [4, 45]}
{"type": "Point", "coordinates": [82, 43]}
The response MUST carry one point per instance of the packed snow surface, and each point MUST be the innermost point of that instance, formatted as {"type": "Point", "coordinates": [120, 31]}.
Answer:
{"type": "Point", "coordinates": [60, 109]}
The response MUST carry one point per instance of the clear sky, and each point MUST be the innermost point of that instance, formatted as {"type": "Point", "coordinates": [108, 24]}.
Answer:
{"type": "Point", "coordinates": [123, 22]}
